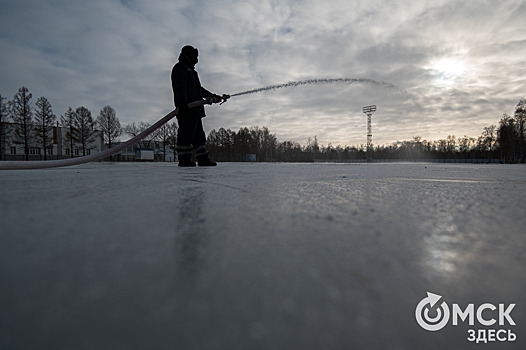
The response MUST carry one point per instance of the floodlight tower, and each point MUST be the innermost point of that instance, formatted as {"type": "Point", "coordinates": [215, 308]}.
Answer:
{"type": "Point", "coordinates": [369, 110]}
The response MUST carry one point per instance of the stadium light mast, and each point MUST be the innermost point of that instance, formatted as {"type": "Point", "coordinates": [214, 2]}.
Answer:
{"type": "Point", "coordinates": [369, 110]}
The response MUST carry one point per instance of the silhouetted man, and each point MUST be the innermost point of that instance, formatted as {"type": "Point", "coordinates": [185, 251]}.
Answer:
{"type": "Point", "coordinates": [187, 88]}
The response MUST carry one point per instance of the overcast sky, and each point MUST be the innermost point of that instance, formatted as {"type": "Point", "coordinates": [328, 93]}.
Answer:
{"type": "Point", "coordinates": [459, 65]}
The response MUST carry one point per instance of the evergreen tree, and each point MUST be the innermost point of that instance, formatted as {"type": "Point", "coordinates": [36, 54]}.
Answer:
{"type": "Point", "coordinates": [508, 138]}
{"type": "Point", "coordinates": [520, 118]}
{"type": "Point", "coordinates": [242, 143]}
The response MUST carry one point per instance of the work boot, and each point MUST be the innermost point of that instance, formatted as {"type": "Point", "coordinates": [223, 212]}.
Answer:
{"type": "Point", "coordinates": [186, 164]}
{"type": "Point", "coordinates": [186, 161]}
{"type": "Point", "coordinates": [205, 161]}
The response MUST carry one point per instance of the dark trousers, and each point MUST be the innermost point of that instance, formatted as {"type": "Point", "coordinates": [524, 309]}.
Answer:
{"type": "Point", "coordinates": [190, 137]}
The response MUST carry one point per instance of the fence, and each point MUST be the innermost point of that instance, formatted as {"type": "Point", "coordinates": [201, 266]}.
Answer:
{"type": "Point", "coordinates": [472, 161]}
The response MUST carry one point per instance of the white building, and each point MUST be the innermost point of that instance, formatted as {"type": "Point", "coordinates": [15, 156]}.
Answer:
{"type": "Point", "coordinates": [60, 147]}
{"type": "Point", "coordinates": [137, 152]}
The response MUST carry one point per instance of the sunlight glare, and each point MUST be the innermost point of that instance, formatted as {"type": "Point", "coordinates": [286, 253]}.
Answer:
{"type": "Point", "coordinates": [449, 69]}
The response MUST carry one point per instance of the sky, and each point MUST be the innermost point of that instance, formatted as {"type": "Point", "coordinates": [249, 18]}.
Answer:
{"type": "Point", "coordinates": [457, 65]}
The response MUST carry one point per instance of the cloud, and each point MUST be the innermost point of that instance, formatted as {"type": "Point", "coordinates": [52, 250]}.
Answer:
{"type": "Point", "coordinates": [121, 53]}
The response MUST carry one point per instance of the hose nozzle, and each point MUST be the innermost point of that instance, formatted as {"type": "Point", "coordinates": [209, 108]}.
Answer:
{"type": "Point", "coordinates": [225, 98]}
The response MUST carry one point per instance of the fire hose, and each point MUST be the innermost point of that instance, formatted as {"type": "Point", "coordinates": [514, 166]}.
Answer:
{"type": "Point", "coordinates": [16, 165]}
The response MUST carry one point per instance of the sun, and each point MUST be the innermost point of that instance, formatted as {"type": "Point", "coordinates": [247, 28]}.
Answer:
{"type": "Point", "coordinates": [447, 70]}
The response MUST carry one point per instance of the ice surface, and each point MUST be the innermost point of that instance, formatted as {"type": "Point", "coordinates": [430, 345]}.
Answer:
{"type": "Point", "coordinates": [256, 256]}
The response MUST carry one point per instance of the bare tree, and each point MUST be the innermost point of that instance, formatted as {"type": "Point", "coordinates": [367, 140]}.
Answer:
{"type": "Point", "coordinates": [44, 120]}
{"type": "Point", "coordinates": [165, 136]}
{"type": "Point", "coordinates": [134, 130]}
{"type": "Point", "coordinates": [172, 140]}
{"type": "Point", "coordinates": [84, 131]}
{"type": "Point", "coordinates": [109, 124]}
{"type": "Point", "coordinates": [4, 128]}
{"type": "Point", "coordinates": [131, 129]}
{"type": "Point", "coordinates": [22, 116]}
{"type": "Point", "coordinates": [68, 121]}
{"type": "Point", "coordinates": [488, 140]}
{"type": "Point", "coordinates": [313, 146]}
{"type": "Point", "coordinates": [451, 144]}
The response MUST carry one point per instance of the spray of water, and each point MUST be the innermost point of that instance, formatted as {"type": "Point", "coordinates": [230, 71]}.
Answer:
{"type": "Point", "coordinates": [320, 82]}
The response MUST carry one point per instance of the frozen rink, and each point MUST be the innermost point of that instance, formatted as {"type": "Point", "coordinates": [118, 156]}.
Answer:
{"type": "Point", "coordinates": [257, 256]}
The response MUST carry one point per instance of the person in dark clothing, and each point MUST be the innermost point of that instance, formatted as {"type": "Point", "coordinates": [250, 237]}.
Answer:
{"type": "Point", "coordinates": [187, 88]}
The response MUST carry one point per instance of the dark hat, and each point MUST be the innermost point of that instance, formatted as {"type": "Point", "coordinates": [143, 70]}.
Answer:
{"type": "Point", "coordinates": [190, 52]}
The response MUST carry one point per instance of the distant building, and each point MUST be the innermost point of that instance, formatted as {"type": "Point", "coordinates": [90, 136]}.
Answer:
{"type": "Point", "coordinates": [145, 154]}
{"type": "Point", "coordinates": [59, 149]}
{"type": "Point", "coordinates": [142, 152]}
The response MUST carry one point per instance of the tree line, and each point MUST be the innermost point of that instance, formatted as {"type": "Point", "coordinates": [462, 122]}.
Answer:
{"type": "Point", "coordinates": [505, 142]}
{"type": "Point", "coordinates": [29, 125]}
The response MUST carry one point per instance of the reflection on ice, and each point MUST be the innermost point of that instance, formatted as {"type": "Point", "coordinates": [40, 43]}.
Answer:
{"type": "Point", "coordinates": [191, 232]}
{"type": "Point", "coordinates": [442, 247]}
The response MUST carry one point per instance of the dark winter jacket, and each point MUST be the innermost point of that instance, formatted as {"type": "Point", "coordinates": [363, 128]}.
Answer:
{"type": "Point", "coordinates": [187, 87]}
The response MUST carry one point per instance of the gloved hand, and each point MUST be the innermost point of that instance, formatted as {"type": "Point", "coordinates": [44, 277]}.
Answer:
{"type": "Point", "coordinates": [218, 98]}
{"type": "Point", "coordinates": [183, 108]}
